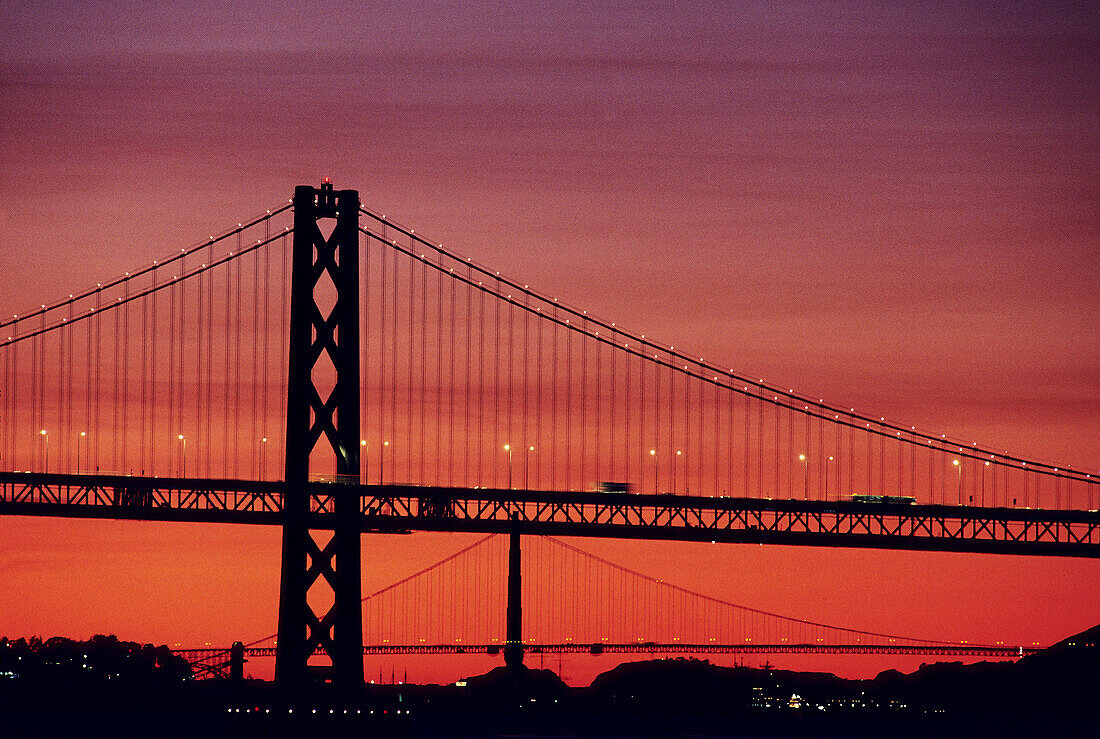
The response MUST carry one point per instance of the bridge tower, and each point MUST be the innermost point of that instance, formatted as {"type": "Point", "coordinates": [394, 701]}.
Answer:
{"type": "Point", "coordinates": [513, 629]}
{"type": "Point", "coordinates": [326, 413]}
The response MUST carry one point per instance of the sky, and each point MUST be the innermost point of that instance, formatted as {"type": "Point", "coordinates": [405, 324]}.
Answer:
{"type": "Point", "coordinates": [893, 206]}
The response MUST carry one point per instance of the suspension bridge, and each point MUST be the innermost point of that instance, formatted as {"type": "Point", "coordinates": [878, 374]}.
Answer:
{"type": "Point", "coordinates": [561, 594]}
{"type": "Point", "coordinates": [324, 369]}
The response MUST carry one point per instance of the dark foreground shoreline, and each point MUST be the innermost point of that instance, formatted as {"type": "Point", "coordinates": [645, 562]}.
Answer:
{"type": "Point", "coordinates": [214, 725]}
{"type": "Point", "coordinates": [108, 688]}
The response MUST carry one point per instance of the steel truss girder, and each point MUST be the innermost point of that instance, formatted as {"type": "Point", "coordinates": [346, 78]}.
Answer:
{"type": "Point", "coordinates": [393, 508]}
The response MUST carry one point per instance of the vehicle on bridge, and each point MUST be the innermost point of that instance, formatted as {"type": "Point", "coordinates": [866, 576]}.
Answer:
{"type": "Point", "coordinates": [436, 506]}
{"type": "Point", "coordinates": [902, 499]}
{"type": "Point", "coordinates": [614, 487]}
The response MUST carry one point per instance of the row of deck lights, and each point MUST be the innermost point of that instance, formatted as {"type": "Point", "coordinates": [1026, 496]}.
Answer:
{"type": "Point", "coordinates": [507, 448]}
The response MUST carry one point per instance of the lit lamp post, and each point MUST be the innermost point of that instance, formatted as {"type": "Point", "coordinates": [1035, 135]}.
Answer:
{"type": "Point", "coordinates": [959, 469]}
{"type": "Point", "coordinates": [382, 463]}
{"type": "Point", "coordinates": [263, 445]}
{"type": "Point", "coordinates": [805, 477]}
{"type": "Point", "coordinates": [983, 484]}
{"type": "Point", "coordinates": [526, 456]}
{"type": "Point", "coordinates": [44, 433]}
{"type": "Point", "coordinates": [678, 453]}
{"type": "Point", "coordinates": [830, 459]}
{"type": "Point", "coordinates": [508, 448]}
{"type": "Point", "coordinates": [363, 462]}
{"type": "Point", "coordinates": [653, 453]}
{"type": "Point", "coordinates": [79, 439]}
{"type": "Point", "coordinates": [183, 456]}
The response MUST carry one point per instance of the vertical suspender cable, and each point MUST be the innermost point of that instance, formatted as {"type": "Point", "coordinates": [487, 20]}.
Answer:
{"type": "Point", "coordinates": [69, 425]}
{"type": "Point", "coordinates": [393, 369]}
{"type": "Point", "coordinates": [200, 346]}
{"type": "Point", "coordinates": [554, 419]}
{"type": "Point", "coordinates": [451, 391]}
{"type": "Point", "coordinates": [116, 461]}
{"type": "Point", "coordinates": [468, 336]}
{"type": "Point", "coordinates": [526, 391]}
{"type": "Point", "coordinates": [496, 385]}
{"type": "Point", "coordinates": [382, 321]}
{"type": "Point", "coordinates": [611, 450]}
{"type": "Point", "coordinates": [208, 429]}
{"type": "Point", "coordinates": [584, 406]}
{"type": "Point", "coordinates": [13, 402]}
{"type": "Point", "coordinates": [126, 409]}
{"type": "Point", "coordinates": [266, 338]}
{"type": "Point", "coordinates": [224, 313]}
{"type": "Point", "coordinates": [153, 376]}
{"type": "Point", "coordinates": [700, 455]}
{"type": "Point", "coordinates": [173, 427]}
{"type": "Point", "coordinates": [438, 466]}
{"type": "Point", "coordinates": [627, 456]}
{"type": "Point", "coordinates": [569, 410]}
{"type": "Point", "coordinates": [144, 380]}
{"type": "Point", "coordinates": [410, 401]}
{"type": "Point", "coordinates": [717, 439]}
{"type": "Point", "coordinates": [538, 404]}
{"type": "Point", "coordinates": [509, 344]}
{"type": "Point", "coordinates": [599, 412]}
{"type": "Point", "coordinates": [423, 369]}
{"type": "Point", "coordinates": [284, 338]}
{"type": "Point", "coordinates": [641, 449]}
{"type": "Point", "coordinates": [480, 387]}
{"type": "Point", "coordinates": [178, 429]}
{"type": "Point", "coordinates": [671, 424]}
{"type": "Point", "coordinates": [35, 340]}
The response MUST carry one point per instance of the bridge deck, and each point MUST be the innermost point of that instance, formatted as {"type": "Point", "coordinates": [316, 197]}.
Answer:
{"type": "Point", "coordinates": [402, 508]}
{"type": "Point", "coordinates": [958, 650]}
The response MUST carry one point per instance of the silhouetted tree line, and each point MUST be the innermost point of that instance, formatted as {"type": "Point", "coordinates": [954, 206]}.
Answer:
{"type": "Point", "coordinates": [64, 671]}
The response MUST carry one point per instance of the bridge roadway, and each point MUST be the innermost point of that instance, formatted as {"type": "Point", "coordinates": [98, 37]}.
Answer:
{"type": "Point", "coordinates": [405, 508]}
{"type": "Point", "coordinates": [958, 650]}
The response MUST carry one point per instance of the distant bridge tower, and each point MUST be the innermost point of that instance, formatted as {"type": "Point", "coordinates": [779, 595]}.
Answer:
{"type": "Point", "coordinates": [317, 331]}
{"type": "Point", "coordinates": [513, 639]}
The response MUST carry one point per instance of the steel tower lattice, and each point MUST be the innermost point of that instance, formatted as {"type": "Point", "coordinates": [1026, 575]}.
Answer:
{"type": "Point", "coordinates": [307, 562]}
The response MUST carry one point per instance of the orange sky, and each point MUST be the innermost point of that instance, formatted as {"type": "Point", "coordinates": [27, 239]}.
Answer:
{"type": "Point", "coordinates": [891, 208]}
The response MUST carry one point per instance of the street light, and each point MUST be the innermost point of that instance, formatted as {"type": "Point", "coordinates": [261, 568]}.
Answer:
{"type": "Point", "coordinates": [653, 453]}
{"type": "Point", "coordinates": [805, 477]}
{"type": "Point", "coordinates": [508, 448]}
{"type": "Point", "coordinates": [959, 469]}
{"type": "Point", "coordinates": [44, 433]}
{"type": "Point", "coordinates": [263, 445]}
{"type": "Point", "coordinates": [678, 453]}
{"type": "Point", "coordinates": [830, 459]}
{"type": "Point", "coordinates": [78, 440]}
{"type": "Point", "coordinates": [183, 456]}
{"type": "Point", "coordinates": [382, 462]}
{"type": "Point", "coordinates": [526, 455]}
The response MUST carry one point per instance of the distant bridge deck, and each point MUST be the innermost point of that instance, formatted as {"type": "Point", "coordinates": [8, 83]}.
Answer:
{"type": "Point", "coordinates": [404, 508]}
{"type": "Point", "coordinates": [598, 648]}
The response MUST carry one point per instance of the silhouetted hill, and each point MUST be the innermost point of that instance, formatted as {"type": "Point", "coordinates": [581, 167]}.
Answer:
{"type": "Point", "coordinates": [1056, 689]}
{"type": "Point", "coordinates": [509, 688]}
{"type": "Point", "coordinates": [1063, 679]}
{"type": "Point", "coordinates": [103, 669]}
{"type": "Point", "coordinates": [656, 686]}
